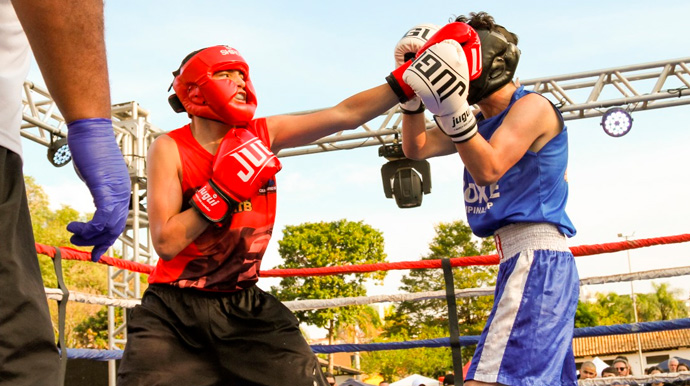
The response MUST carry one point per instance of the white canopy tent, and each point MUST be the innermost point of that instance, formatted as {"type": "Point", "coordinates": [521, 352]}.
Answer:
{"type": "Point", "coordinates": [409, 381]}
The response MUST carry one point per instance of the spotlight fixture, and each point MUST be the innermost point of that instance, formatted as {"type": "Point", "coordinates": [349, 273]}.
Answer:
{"type": "Point", "coordinates": [405, 179]}
{"type": "Point", "coordinates": [616, 122]}
{"type": "Point", "coordinates": [58, 152]}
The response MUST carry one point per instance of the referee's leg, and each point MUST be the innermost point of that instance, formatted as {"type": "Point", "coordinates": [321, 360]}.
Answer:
{"type": "Point", "coordinates": [28, 353]}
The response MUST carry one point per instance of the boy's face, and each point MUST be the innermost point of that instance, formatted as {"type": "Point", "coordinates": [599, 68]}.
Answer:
{"type": "Point", "coordinates": [588, 372]}
{"type": "Point", "coordinates": [656, 372]}
{"type": "Point", "coordinates": [237, 77]}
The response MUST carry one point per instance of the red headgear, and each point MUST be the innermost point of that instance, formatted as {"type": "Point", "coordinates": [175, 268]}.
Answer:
{"type": "Point", "coordinates": [203, 96]}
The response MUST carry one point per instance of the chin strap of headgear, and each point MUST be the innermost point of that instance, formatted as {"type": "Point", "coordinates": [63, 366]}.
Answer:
{"type": "Point", "coordinates": [199, 94]}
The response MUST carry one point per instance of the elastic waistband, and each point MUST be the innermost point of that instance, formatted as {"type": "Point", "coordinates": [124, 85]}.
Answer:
{"type": "Point", "coordinates": [200, 293]}
{"type": "Point", "coordinates": [515, 238]}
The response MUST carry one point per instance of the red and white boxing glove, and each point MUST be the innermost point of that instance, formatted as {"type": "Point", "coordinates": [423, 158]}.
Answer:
{"type": "Point", "coordinates": [468, 39]}
{"type": "Point", "coordinates": [457, 31]}
{"type": "Point", "coordinates": [440, 76]}
{"type": "Point", "coordinates": [242, 166]}
{"type": "Point", "coordinates": [406, 50]}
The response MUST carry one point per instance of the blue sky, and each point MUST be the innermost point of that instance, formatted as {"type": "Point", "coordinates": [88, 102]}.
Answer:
{"type": "Point", "coordinates": [306, 54]}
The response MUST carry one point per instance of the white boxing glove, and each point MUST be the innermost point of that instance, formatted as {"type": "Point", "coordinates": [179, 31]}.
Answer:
{"type": "Point", "coordinates": [440, 77]}
{"type": "Point", "coordinates": [412, 41]}
{"type": "Point", "coordinates": [405, 50]}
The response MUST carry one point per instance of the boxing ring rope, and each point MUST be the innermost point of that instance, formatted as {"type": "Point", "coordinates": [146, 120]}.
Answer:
{"type": "Point", "coordinates": [301, 305]}
{"type": "Point", "coordinates": [583, 250]}
{"type": "Point", "coordinates": [314, 304]}
{"type": "Point", "coordinates": [75, 254]}
{"type": "Point", "coordinates": [80, 297]}
{"type": "Point", "coordinates": [467, 340]}
{"type": "Point", "coordinates": [665, 378]}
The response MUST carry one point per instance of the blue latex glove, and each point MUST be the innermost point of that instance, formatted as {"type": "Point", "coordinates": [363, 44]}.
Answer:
{"type": "Point", "coordinates": [99, 163]}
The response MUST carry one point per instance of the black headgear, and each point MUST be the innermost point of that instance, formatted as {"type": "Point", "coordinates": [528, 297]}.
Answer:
{"type": "Point", "coordinates": [499, 60]}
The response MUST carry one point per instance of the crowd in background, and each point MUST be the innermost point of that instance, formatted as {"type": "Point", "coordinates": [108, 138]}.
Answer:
{"type": "Point", "coordinates": [621, 368]}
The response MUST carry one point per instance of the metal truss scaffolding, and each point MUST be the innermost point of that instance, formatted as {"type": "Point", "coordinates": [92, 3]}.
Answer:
{"type": "Point", "coordinates": [582, 95]}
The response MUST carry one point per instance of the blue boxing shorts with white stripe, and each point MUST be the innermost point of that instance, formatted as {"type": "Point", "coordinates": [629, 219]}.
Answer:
{"type": "Point", "coordinates": [528, 337]}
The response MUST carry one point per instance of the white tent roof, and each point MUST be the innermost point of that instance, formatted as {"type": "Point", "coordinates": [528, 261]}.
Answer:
{"type": "Point", "coordinates": [408, 381]}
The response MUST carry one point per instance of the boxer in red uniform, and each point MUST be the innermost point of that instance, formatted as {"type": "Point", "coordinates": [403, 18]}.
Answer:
{"type": "Point", "coordinates": [211, 207]}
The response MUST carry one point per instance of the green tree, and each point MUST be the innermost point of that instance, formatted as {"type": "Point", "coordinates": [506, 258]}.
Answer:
{"type": "Point", "coordinates": [367, 324]}
{"type": "Point", "coordinates": [326, 244]}
{"type": "Point", "coordinates": [92, 331]}
{"type": "Point", "coordinates": [611, 308]}
{"type": "Point", "coordinates": [662, 304]}
{"type": "Point", "coordinates": [50, 228]}
{"type": "Point", "coordinates": [586, 315]}
{"type": "Point", "coordinates": [414, 319]}
{"type": "Point", "coordinates": [396, 364]}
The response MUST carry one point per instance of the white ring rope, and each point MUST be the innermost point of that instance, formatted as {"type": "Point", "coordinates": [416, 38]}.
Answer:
{"type": "Point", "coordinates": [314, 304]}
{"type": "Point", "coordinates": [80, 297]}
{"type": "Point", "coordinates": [666, 378]}
{"type": "Point", "coordinates": [642, 275]}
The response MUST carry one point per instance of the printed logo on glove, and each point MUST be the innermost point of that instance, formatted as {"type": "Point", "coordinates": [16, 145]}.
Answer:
{"type": "Point", "coordinates": [242, 166]}
{"type": "Point", "coordinates": [210, 201]}
{"type": "Point", "coordinates": [412, 41]}
{"type": "Point", "coordinates": [467, 40]}
{"type": "Point", "coordinates": [406, 50]}
{"type": "Point", "coordinates": [440, 77]}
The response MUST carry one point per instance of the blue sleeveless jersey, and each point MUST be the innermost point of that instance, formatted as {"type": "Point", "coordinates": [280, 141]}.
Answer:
{"type": "Point", "coordinates": [534, 190]}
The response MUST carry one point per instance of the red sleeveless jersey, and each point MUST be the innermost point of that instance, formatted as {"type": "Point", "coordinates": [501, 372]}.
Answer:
{"type": "Point", "coordinates": [223, 258]}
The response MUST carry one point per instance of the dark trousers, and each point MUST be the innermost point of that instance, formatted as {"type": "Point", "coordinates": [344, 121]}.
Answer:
{"type": "Point", "coordinates": [197, 338]}
{"type": "Point", "coordinates": [28, 353]}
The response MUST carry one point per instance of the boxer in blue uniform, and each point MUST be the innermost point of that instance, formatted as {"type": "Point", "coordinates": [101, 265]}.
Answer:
{"type": "Point", "coordinates": [515, 189]}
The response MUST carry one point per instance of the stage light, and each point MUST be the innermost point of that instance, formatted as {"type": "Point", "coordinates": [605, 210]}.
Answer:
{"type": "Point", "coordinates": [616, 122]}
{"type": "Point", "coordinates": [58, 152]}
{"type": "Point", "coordinates": [404, 179]}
